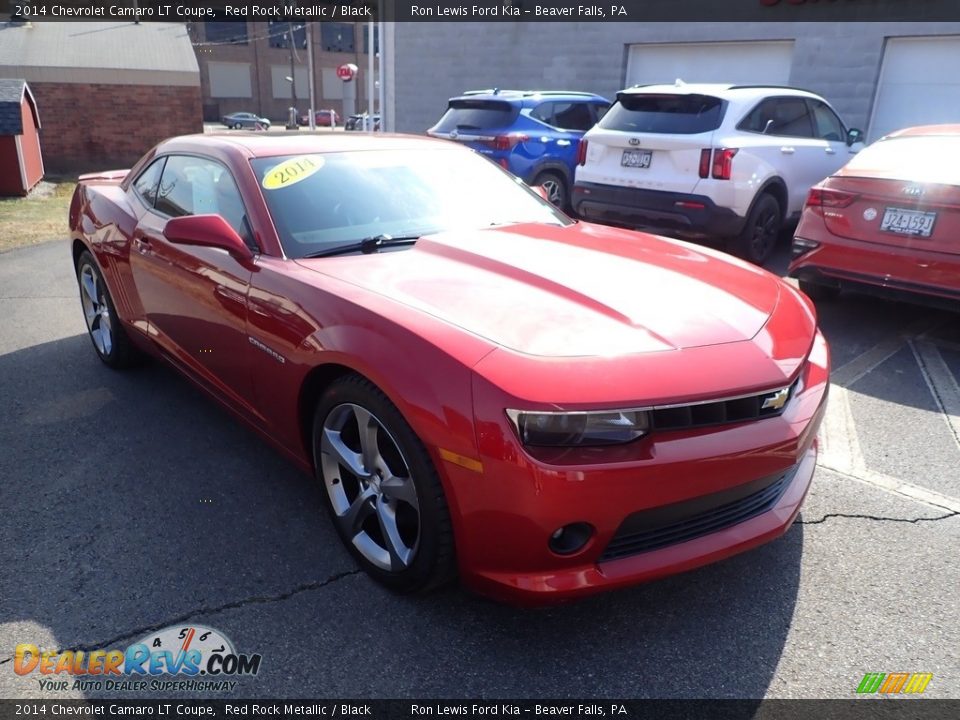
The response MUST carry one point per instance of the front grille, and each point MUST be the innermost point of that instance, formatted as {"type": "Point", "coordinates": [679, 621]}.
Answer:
{"type": "Point", "coordinates": [673, 524]}
{"type": "Point", "coordinates": [733, 410]}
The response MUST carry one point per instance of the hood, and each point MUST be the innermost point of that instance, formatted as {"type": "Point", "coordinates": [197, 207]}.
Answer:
{"type": "Point", "coordinates": [581, 290]}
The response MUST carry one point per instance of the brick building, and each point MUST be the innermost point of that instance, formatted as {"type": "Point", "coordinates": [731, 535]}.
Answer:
{"type": "Point", "coordinates": [106, 91]}
{"type": "Point", "coordinates": [244, 66]}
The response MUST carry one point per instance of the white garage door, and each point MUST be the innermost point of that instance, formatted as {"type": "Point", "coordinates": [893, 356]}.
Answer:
{"type": "Point", "coordinates": [919, 84]}
{"type": "Point", "coordinates": [742, 63]}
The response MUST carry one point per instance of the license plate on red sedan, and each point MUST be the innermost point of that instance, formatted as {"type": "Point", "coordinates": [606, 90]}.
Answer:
{"type": "Point", "coordinates": [636, 158]}
{"type": "Point", "coordinates": [908, 222]}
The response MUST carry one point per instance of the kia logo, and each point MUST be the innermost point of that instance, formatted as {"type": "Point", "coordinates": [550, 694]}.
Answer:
{"type": "Point", "coordinates": [913, 190]}
{"type": "Point", "coordinates": [634, 141]}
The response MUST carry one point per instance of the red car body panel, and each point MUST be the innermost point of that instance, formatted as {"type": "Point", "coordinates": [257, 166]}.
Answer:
{"type": "Point", "coordinates": [851, 247]}
{"type": "Point", "coordinates": [610, 319]}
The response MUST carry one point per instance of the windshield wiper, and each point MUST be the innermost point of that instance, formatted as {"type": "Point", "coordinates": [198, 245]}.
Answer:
{"type": "Point", "coordinates": [367, 245]}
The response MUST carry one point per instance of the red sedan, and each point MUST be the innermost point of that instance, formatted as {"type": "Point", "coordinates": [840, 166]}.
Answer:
{"type": "Point", "coordinates": [482, 385]}
{"type": "Point", "coordinates": [888, 223]}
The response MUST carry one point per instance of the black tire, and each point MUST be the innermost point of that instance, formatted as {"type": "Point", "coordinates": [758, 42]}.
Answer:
{"type": "Point", "coordinates": [100, 314]}
{"type": "Point", "coordinates": [761, 231]}
{"type": "Point", "coordinates": [431, 561]}
{"type": "Point", "coordinates": [555, 186]}
{"type": "Point", "coordinates": [815, 291]}
{"type": "Point", "coordinates": [237, 126]}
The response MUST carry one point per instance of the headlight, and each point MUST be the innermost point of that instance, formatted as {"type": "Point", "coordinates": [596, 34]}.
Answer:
{"type": "Point", "coordinates": [602, 427]}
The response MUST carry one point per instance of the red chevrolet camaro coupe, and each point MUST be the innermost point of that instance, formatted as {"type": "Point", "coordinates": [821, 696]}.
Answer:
{"type": "Point", "coordinates": [481, 384]}
{"type": "Point", "coordinates": [888, 223]}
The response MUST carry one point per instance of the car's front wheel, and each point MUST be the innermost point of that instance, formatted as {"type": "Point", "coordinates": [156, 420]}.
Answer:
{"type": "Point", "coordinates": [382, 489]}
{"type": "Point", "coordinates": [107, 334]}
{"type": "Point", "coordinates": [759, 236]}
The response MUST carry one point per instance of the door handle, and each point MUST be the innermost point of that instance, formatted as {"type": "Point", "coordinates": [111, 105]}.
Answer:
{"type": "Point", "coordinates": [830, 151]}
{"type": "Point", "coordinates": [787, 150]}
{"type": "Point", "coordinates": [142, 243]}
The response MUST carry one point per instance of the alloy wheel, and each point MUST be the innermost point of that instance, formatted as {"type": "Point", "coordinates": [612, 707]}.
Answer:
{"type": "Point", "coordinates": [96, 310]}
{"type": "Point", "coordinates": [765, 234]}
{"type": "Point", "coordinates": [554, 191]}
{"type": "Point", "coordinates": [371, 490]}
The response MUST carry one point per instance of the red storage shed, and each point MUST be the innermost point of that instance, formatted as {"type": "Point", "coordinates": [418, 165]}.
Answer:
{"type": "Point", "coordinates": [21, 164]}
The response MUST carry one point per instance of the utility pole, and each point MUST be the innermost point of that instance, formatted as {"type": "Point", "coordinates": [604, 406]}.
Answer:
{"type": "Point", "coordinates": [313, 117]}
{"type": "Point", "coordinates": [370, 89]}
{"type": "Point", "coordinates": [293, 79]}
{"type": "Point", "coordinates": [381, 55]}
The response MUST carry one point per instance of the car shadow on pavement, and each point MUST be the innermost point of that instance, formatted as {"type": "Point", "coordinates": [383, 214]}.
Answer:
{"type": "Point", "coordinates": [133, 502]}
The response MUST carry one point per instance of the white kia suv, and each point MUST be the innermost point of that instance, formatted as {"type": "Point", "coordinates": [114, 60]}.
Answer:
{"type": "Point", "coordinates": [710, 161]}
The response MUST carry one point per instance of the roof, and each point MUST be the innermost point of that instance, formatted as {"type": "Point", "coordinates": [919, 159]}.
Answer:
{"type": "Point", "coordinates": [267, 144]}
{"type": "Point", "coordinates": [12, 94]}
{"type": "Point", "coordinates": [125, 53]}
{"type": "Point", "coordinates": [527, 96]}
{"type": "Point", "coordinates": [724, 90]}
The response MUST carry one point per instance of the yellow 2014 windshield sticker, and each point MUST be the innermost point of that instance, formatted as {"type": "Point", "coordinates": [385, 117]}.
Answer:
{"type": "Point", "coordinates": [291, 171]}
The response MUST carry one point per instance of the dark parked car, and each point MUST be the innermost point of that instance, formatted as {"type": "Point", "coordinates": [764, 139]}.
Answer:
{"type": "Point", "coordinates": [240, 120]}
{"type": "Point", "coordinates": [355, 122]}
{"type": "Point", "coordinates": [322, 118]}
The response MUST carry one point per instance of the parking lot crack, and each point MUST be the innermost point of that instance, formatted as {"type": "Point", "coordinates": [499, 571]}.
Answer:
{"type": "Point", "coordinates": [192, 615]}
{"type": "Point", "coordinates": [875, 518]}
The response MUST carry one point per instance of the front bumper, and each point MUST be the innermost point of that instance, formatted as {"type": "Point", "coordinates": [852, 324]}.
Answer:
{"type": "Point", "coordinates": [693, 216]}
{"type": "Point", "coordinates": [507, 515]}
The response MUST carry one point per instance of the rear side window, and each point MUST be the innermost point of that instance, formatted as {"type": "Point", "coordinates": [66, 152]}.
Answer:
{"type": "Point", "coordinates": [565, 115]}
{"type": "Point", "coordinates": [784, 116]}
{"type": "Point", "coordinates": [667, 114]}
{"type": "Point", "coordinates": [476, 115]}
{"type": "Point", "coordinates": [146, 185]}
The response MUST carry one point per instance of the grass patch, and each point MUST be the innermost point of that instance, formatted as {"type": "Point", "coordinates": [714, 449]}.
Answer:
{"type": "Point", "coordinates": [39, 217]}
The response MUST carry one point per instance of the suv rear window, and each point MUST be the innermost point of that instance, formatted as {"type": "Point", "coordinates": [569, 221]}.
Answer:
{"type": "Point", "coordinates": [476, 115]}
{"type": "Point", "coordinates": [667, 114]}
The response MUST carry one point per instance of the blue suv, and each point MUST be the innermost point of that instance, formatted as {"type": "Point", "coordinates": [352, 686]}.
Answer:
{"type": "Point", "coordinates": [533, 134]}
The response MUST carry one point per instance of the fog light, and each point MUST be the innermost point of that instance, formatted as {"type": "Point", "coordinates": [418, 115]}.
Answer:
{"type": "Point", "coordinates": [571, 538]}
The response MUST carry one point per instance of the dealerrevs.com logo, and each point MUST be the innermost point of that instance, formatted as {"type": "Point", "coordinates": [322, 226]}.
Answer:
{"type": "Point", "coordinates": [204, 655]}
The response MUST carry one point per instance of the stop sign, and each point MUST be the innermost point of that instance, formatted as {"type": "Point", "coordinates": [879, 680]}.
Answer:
{"type": "Point", "coordinates": [347, 72]}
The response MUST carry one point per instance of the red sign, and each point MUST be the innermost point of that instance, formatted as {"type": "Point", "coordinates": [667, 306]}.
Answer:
{"type": "Point", "coordinates": [347, 72]}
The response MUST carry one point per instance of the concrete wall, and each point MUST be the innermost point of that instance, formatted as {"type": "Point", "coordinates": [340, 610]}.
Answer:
{"type": "Point", "coordinates": [434, 61]}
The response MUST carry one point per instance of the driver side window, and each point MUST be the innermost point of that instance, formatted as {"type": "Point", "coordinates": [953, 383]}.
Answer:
{"type": "Point", "coordinates": [197, 186]}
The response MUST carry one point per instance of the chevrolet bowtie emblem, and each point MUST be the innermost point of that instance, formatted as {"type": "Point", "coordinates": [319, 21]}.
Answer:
{"type": "Point", "coordinates": [776, 400]}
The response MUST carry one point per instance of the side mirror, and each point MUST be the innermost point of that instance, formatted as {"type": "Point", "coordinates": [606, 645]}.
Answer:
{"type": "Point", "coordinates": [541, 191]}
{"type": "Point", "coordinates": [206, 231]}
{"type": "Point", "coordinates": [854, 135]}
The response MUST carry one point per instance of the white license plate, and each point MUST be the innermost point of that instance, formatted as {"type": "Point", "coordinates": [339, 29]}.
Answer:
{"type": "Point", "coordinates": [636, 158]}
{"type": "Point", "coordinates": [908, 222]}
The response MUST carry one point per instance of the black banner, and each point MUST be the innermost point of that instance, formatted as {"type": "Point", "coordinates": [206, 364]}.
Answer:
{"type": "Point", "coordinates": [865, 709]}
{"type": "Point", "coordinates": [480, 10]}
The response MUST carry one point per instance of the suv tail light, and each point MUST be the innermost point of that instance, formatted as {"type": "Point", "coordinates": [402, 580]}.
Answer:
{"type": "Point", "coordinates": [582, 152]}
{"type": "Point", "coordinates": [822, 197]}
{"type": "Point", "coordinates": [507, 142]}
{"type": "Point", "coordinates": [705, 162]}
{"type": "Point", "coordinates": [722, 163]}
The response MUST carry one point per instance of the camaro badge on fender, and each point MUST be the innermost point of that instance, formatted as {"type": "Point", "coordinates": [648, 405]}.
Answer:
{"type": "Point", "coordinates": [269, 351]}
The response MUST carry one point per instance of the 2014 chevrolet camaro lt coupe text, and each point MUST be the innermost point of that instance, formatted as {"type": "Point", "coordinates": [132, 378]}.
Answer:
{"type": "Point", "coordinates": [483, 386]}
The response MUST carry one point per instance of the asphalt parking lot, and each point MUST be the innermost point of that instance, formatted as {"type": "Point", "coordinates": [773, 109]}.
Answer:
{"type": "Point", "coordinates": [132, 502]}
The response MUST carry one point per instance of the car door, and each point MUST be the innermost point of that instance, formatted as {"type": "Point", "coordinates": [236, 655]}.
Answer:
{"type": "Point", "coordinates": [194, 299]}
{"type": "Point", "coordinates": [786, 142]}
{"type": "Point", "coordinates": [828, 128]}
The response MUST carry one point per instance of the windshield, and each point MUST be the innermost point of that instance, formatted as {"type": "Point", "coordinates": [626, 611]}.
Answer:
{"type": "Point", "coordinates": [321, 201]}
{"type": "Point", "coordinates": [921, 158]}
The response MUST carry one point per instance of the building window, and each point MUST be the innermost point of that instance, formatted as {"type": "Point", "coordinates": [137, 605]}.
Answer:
{"type": "Point", "coordinates": [234, 33]}
{"type": "Point", "coordinates": [337, 37]}
{"type": "Point", "coordinates": [279, 31]}
{"type": "Point", "coordinates": [366, 40]}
